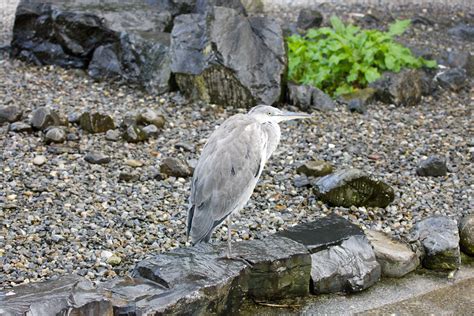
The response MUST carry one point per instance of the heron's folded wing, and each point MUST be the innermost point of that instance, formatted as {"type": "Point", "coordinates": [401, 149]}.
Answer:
{"type": "Point", "coordinates": [226, 174]}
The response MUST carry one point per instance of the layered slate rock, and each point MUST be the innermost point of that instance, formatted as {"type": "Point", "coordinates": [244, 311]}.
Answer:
{"type": "Point", "coordinates": [226, 58]}
{"type": "Point", "coordinates": [108, 38]}
{"type": "Point", "coordinates": [202, 280]}
{"type": "Point", "coordinates": [44, 117]}
{"type": "Point", "coordinates": [308, 98]}
{"type": "Point", "coordinates": [403, 88]}
{"type": "Point", "coordinates": [348, 267]}
{"type": "Point", "coordinates": [342, 259]}
{"type": "Point", "coordinates": [395, 258]}
{"type": "Point", "coordinates": [439, 237]}
{"type": "Point", "coordinates": [96, 122]}
{"type": "Point", "coordinates": [353, 187]}
{"type": "Point", "coordinates": [466, 234]}
{"type": "Point", "coordinates": [66, 296]}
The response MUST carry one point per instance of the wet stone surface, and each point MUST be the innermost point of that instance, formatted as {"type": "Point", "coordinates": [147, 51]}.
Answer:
{"type": "Point", "coordinates": [439, 237]}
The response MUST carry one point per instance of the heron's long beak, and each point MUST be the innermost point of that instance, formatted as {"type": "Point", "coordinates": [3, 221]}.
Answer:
{"type": "Point", "coordinates": [286, 116]}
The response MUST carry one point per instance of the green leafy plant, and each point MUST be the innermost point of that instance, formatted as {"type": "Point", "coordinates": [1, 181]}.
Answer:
{"type": "Point", "coordinates": [343, 58]}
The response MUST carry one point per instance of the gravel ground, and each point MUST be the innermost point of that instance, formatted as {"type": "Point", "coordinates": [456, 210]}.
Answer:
{"type": "Point", "coordinates": [69, 216]}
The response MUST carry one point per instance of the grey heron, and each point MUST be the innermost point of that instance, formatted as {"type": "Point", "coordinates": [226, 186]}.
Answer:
{"type": "Point", "coordinates": [229, 167]}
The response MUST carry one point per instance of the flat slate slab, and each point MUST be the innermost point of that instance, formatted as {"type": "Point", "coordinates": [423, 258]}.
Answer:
{"type": "Point", "coordinates": [322, 233]}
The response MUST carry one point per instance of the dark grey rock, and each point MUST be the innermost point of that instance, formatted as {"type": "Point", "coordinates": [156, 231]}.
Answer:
{"type": "Point", "coordinates": [129, 176]}
{"type": "Point", "coordinates": [10, 114]}
{"type": "Point", "coordinates": [308, 98]}
{"type": "Point", "coordinates": [151, 117]}
{"type": "Point", "coordinates": [200, 279]}
{"type": "Point", "coordinates": [96, 122]}
{"type": "Point", "coordinates": [301, 181]}
{"type": "Point", "coordinates": [434, 166]}
{"type": "Point", "coordinates": [151, 131]}
{"type": "Point", "coordinates": [173, 167]}
{"type": "Point", "coordinates": [461, 59]}
{"type": "Point", "coordinates": [55, 135]}
{"type": "Point", "coordinates": [466, 234]}
{"type": "Point", "coordinates": [463, 31]}
{"type": "Point", "coordinates": [403, 88]}
{"type": "Point", "coordinates": [225, 58]}
{"type": "Point", "coordinates": [348, 267]}
{"type": "Point", "coordinates": [185, 146]}
{"type": "Point", "coordinates": [20, 127]}
{"type": "Point", "coordinates": [322, 233]}
{"type": "Point", "coordinates": [67, 295]}
{"type": "Point", "coordinates": [439, 237]}
{"type": "Point", "coordinates": [44, 117]}
{"type": "Point", "coordinates": [123, 41]}
{"type": "Point", "coordinates": [74, 117]}
{"type": "Point", "coordinates": [353, 187]}
{"type": "Point", "coordinates": [453, 79]}
{"type": "Point", "coordinates": [134, 134]}
{"type": "Point", "coordinates": [395, 258]}
{"type": "Point", "coordinates": [358, 101]}
{"type": "Point", "coordinates": [113, 135]}
{"type": "Point", "coordinates": [308, 19]}
{"type": "Point", "coordinates": [96, 158]}
{"type": "Point", "coordinates": [130, 118]}
{"type": "Point", "coordinates": [280, 268]}
{"type": "Point", "coordinates": [315, 168]}
{"type": "Point", "coordinates": [205, 6]}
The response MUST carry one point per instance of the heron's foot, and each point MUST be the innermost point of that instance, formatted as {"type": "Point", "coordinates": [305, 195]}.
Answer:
{"type": "Point", "coordinates": [237, 258]}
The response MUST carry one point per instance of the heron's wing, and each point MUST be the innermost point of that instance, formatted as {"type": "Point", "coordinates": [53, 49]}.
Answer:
{"type": "Point", "coordinates": [225, 175]}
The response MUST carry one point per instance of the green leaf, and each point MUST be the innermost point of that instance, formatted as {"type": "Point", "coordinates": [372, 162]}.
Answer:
{"type": "Point", "coordinates": [371, 74]}
{"type": "Point", "coordinates": [337, 24]}
{"type": "Point", "coordinates": [430, 63]}
{"type": "Point", "coordinates": [398, 27]}
{"type": "Point", "coordinates": [389, 62]}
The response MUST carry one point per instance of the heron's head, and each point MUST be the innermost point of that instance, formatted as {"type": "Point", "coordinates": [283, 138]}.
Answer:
{"type": "Point", "coordinates": [267, 113]}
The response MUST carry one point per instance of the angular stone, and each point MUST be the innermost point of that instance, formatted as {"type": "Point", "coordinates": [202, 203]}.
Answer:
{"type": "Point", "coordinates": [301, 181]}
{"type": "Point", "coordinates": [151, 131]}
{"type": "Point", "coordinates": [322, 233]}
{"type": "Point", "coordinates": [129, 176]}
{"type": "Point", "coordinates": [308, 98]}
{"type": "Point", "coordinates": [10, 114]}
{"type": "Point", "coordinates": [113, 135]}
{"type": "Point", "coordinates": [68, 295]}
{"type": "Point", "coordinates": [20, 127]}
{"type": "Point", "coordinates": [466, 234]}
{"type": "Point", "coordinates": [223, 57]}
{"type": "Point", "coordinates": [308, 19]}
{"type": "Point", "coordinates": [119, 40]}
{"type": "Point", "coordinates": [348, 267]}
{"type": "Point", "coordinates": [439, 237]}
{"type": "Point", "coordinates": [353, 187]}
{"type": "Point", "coordinates": [395, 258]}
{"type": "Point", "coordinates": [44, 117]}
{"type": "Point", "coordinates": [96, 122]}
{"type": "Point", "coordinates": [434, 166]}
{"type": "Point", "coordinates": [280, 268]}
{"type": "Point", "coordinates": [151, 117]}
{"type": "Point", "coordinates": [96, 158]}
{"type": "Point", "coordinates": [195, 280]}
{"type": "Point", "coordinates": [55, 135]}
{"type": "Point", "coordinates": [315, 168]}
{"type": "Point", "coordinates": [453, 79]}
{"type": "Point", "coordinates": [173, 167]}
{"type": "Point", "coordinates": [463, 31]}
{"type": "Point", "coordinates": [403, 88]}
{"type": "Point", "coordinates": [134, 134]}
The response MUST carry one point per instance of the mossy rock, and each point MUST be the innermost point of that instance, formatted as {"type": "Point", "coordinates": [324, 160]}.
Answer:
{"type": "Point", "coordinates": [353, 187]}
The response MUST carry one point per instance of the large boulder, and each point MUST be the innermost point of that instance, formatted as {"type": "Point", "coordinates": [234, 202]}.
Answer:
{"type": "Point", "coordinates": [226, 58]}
{"type": "Point", "coordinates": [309, 98]}
{"type": "Point", "coordinates": [110, 39]}
{"type": "Point", "coordinates": [466, 234]}
{"type": "Point", "coordinates": [439, 237]}
{"type": "Point", "coordinates": [353, 187]}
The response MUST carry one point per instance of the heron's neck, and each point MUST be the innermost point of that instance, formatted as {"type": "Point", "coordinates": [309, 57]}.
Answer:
{"type": "Point", "coordinates": [272, 131]}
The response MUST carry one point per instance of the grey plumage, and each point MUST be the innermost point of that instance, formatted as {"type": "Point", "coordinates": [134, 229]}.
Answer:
{"type": "Point", "coordinates": [229, 167]}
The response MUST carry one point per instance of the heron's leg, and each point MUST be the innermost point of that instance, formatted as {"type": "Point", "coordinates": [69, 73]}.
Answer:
{"type": "Point", "coordinates": [229, 236]}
